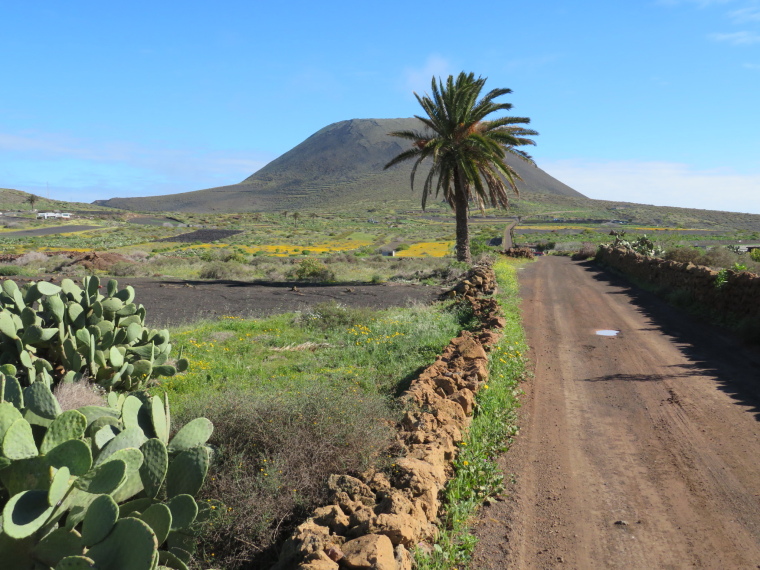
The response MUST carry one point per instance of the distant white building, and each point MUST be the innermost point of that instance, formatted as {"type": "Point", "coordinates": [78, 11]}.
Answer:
{"type": "Point", "coordinates": [46, 215]}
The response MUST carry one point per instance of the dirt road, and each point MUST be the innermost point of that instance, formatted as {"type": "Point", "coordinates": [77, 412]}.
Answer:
{"type": "Point", "coordinates": [640, 450]}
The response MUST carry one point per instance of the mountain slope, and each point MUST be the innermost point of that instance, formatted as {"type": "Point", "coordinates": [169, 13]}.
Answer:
{"type": "Point", "coordinates": [342, 163]}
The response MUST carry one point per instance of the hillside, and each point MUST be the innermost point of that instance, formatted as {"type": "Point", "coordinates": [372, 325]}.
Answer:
{"type": "Point", "coordinates": [342, 163]}
{"type": "Point", "coordinates": [17, 200]}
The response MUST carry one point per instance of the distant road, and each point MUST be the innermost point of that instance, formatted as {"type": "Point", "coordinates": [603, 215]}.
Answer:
{"type": "Point", "coordinates": [48, 231]}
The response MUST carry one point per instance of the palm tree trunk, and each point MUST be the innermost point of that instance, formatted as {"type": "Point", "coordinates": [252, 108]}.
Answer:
{"type": "Point", "coordinates": [460, 214]}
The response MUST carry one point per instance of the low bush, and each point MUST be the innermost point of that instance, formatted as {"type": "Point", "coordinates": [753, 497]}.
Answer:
{"type": "Point", "coordinates": [587, 251]}
{"type": "Point", "coordinates": [11, 270]}
{"type": "Point", "coordinates": [295, 440]}
{"type": "Point", "coordinates": [332, 315]}
{"type": "Point", "coordinates": [32, 258]}
{"type": "Point", "coordinates": [720, 258]}
{"type": "Point", "coordinates": [313, 271]}
{"type": "Point", "coordinates": [683, 255]}
{"type": "Point", "coordinates": [222, 270]}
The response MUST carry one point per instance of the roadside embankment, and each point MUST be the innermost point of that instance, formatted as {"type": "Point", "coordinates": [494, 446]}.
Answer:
{"type": "Point", "coordinates": [727, 293]}
{"type": "Point", "coordinates": [376, 520]}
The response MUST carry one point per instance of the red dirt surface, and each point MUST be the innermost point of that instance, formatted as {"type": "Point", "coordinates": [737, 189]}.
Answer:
{"type": "Point", "coordinates": [635, 451]}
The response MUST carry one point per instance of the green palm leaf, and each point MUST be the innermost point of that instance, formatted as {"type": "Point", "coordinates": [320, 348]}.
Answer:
{"type": "Point", "coordinates": [465, 151]}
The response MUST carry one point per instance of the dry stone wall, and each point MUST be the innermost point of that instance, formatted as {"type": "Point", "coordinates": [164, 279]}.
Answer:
{"type": "Point", "coordinates": [376, 519]}
{"type": "Point", "coordinates": [738, 297]}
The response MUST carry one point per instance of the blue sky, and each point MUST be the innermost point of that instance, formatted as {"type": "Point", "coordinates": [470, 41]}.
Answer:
{"type": "Point", "coordinates": [650, 101]}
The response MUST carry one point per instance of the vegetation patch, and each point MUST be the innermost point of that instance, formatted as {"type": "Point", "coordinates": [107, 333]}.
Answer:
{"type": "Point", "coordinates": [494, 424]}
{"type": "Point", "coordinates": [316, 394]}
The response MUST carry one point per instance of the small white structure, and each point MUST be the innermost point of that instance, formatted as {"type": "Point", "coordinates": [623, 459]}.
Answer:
{"type": "Point", "coordinates": [46, 215]}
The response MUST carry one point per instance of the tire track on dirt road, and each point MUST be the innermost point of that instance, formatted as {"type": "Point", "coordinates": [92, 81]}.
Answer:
{"type": "Point", "coordinates": [636, 451]}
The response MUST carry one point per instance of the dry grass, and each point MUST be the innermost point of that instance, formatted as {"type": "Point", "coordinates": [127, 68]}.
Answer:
{"type": "Point", "coordinates": [274, 454]}
{"type": "Point", "coordinates": [73, 395]}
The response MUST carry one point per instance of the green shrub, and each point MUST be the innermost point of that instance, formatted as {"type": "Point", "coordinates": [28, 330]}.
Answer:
{"type": "Point", "coordinates": [222, 270]}
{"type": "Point", "coordinates": [11, 270]}
{"type": "Point", "coordinates": [719, 258]}
{"type": "Point", "coordinates": [480, 245]}
{"type": "Point", "coordinates": [754, 255]}
{"type": "Point", "coordinates": [312, 270]}
{"type": "Point", "coordinates": [332, 315]}
{"type": "Point", "coordinates": [683, 255]}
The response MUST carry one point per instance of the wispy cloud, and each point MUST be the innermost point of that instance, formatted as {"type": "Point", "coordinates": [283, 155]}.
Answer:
{"type": "Point", "coordinates": [76, 166]}
{"type": "Point", "coordinates": [417, 79]}
{"type": "Point", "coordinates": [661, 183]}
{"type": "Point", "coordinates": [755, 66]}
{"type": "Point", "coordinates": [742, 38]}
{"type": "Point", "coordinates": [699, 3]}
{"type": "Point", "coordinates": [746, 14]}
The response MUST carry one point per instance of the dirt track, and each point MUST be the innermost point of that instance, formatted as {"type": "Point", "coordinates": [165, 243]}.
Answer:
{"type": "Point", "coordinates": [635, 451]}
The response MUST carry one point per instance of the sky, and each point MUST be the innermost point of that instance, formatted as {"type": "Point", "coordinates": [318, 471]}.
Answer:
{"type": "Point", "coordinates": [653, 101]}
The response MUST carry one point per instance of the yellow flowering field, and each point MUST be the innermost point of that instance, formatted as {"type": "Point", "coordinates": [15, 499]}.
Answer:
{"type": "Point", "coordinates": [430, 249]}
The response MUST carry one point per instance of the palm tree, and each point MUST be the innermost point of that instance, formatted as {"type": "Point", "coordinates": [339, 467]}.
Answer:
{"type": "Point", "coordinates": [467, 152]}
{"type": "Point", "coordinates": [32, 200]}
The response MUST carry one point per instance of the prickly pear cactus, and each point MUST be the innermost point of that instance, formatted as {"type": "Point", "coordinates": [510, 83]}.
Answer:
{"type": "Point", "coordinates": [51, 333]}
{"type": "Point", "coordinates": [97, 487]}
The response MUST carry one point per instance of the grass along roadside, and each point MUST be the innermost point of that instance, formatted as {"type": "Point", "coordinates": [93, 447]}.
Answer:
{"type": "Point", "coordinates": [477, 474]}
{"type": "Point", "coordinates": [295, 398]}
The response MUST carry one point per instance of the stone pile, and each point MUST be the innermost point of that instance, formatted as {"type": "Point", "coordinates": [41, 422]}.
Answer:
{"type": "Point", "coordinates": [480, 280]}
{"type": "Point", "coordinates": [375, 520]}
{"type": "Point", "coordinates": [519, 252]}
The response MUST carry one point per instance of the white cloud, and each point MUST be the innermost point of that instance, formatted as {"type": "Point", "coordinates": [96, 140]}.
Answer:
{"type": "Point", "coordinates": [742, 38]}
{"type": "Point", "coordinates": [746, 14]}
{"type": "Point", "coordinates": [755, 66]}
{"type": "Point", "coordinates": [661, 184]}
{"type": "Point", "coordinates": [700, 3]}
{"type": "Point", "coordinates": [417, 79]}
{"type": "Point", "coordinates": [75, 167]}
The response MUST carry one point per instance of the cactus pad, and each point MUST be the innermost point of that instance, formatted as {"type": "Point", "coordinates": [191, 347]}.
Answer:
{"type": "Point", "coordinates": [184, 510]}
{"type": "Point", "coordinates": [154, 467]}
{"type": "Point", "coordinates": [41, 401]}
{"type": "Point", "coordinates": [69, 425]}
{"type": "Point", "coordinates": [194, 433]}
{"type": "Point", "coordinates": [104, 479]}
{"type": "Point", "coordinates": [74, 454]}
{"type": "Point", "coordinates": [58, 545]}
{"type": "Point", "coordinates": [25, 513]}
{"type": "Point", "coordinates": [18, 442]}
{"type": "Point", "coordinates": [187, 472]}
{"type": "Point", "coordinates": [101, 515]}
{"type": "Point", "coordinates": [131, 545]}
{"type": "Point", "coordinates": [159, 518]}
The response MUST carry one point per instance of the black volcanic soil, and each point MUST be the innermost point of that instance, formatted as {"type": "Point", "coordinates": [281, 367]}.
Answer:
{"type": "Point", "coordinates": [175, 302]}
{"type": "Point", "coordinates": [203, 236]}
